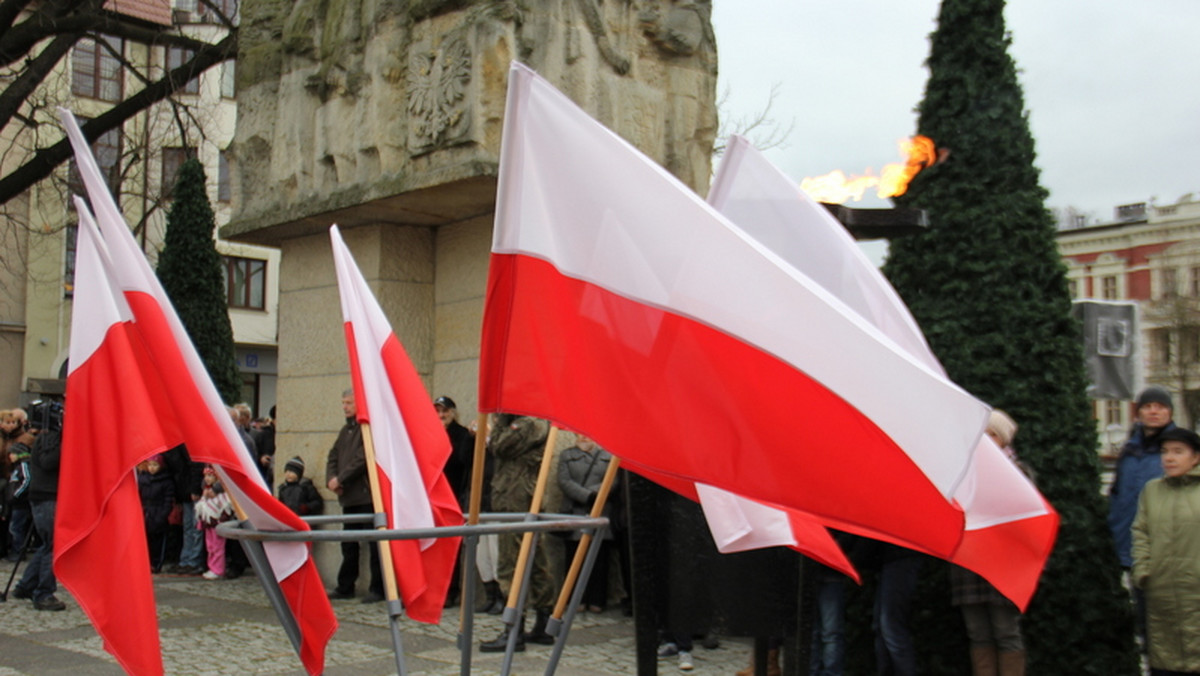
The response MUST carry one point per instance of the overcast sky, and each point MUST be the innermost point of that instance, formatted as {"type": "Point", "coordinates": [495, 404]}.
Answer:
{"type": "Point", "coordinates": [1112, 88]}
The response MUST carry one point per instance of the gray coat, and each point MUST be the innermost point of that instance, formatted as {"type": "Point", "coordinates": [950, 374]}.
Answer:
{"type": "Point", "coordinates": [580, 475]}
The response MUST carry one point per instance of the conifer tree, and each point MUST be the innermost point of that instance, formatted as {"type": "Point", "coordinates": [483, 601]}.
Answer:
{"type": "Point", "coordinates": [989, 290]}
{"type": "Point", "coordinates": [189, 268]}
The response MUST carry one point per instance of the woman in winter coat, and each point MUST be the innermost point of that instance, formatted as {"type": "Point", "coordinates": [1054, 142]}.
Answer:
{"type": "Point", "coordinates": [1166, 556]}
{"type": "Point", "coordinates": [581, 470]}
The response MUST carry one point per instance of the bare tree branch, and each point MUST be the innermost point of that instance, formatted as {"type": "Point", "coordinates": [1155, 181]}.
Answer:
{"type": "Point", "coordinates": [23, 86]}
{"type": "Point", "coordinates": [44, 160]}
{"type": "Point", "coordinates": [9, 11]}
{"type": "Point", "coordinates": [21, 40]}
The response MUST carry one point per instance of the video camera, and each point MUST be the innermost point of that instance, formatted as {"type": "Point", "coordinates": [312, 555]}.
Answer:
{"type": "Point", "coordinates": [46, 415]}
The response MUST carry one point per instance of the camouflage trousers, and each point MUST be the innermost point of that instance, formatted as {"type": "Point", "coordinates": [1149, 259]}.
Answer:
{"type": "Point", "coordinates": [543, 586]}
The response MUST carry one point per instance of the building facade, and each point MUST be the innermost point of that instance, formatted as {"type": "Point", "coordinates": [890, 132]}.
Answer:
{"type": "Point", "coordinates": [141, 160]}
{"type": "Point", "coordinates": [1148, 254]}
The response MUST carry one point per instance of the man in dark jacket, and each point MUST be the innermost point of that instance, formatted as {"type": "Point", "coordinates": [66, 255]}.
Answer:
{"type": "Point", "coordinates": [346, 476]}
{"type": "Point", "coordinates": [1139, 462]}
{"type": "Point", "coordinates": [38, 582]}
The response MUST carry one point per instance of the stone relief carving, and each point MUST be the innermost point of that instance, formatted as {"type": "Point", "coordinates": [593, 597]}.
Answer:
{"type": "Point", "coordinates": [682, 28]}
{"type": "Point", "coordinates": [437, 94]}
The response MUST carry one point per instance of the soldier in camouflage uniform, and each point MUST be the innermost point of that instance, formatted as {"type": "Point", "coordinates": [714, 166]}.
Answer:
{"type": "Point", "coordinates": [518, 444]}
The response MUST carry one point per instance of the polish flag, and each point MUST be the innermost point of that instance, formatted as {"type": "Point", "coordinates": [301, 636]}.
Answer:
{"type": "Point", "coordinates": [623, 306]}
{"type": "Point", "coordinates": [136, 387]}
{"type": "Point", "coordinates": [411, 446]}
{"type": "Point", "coordinates": [1010, 528]}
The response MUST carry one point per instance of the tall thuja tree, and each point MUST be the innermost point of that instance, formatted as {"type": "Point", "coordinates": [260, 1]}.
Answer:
{"type": "Point", "coordinates": [190, 270]}
{"type": "Point", "coordinates": [986, 284]}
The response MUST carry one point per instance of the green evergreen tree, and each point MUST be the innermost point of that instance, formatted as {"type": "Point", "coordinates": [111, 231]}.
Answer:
{"type": "Point", "coordinates": [988, 288]}
{"type": "Point", "coordinates": [189, 268]}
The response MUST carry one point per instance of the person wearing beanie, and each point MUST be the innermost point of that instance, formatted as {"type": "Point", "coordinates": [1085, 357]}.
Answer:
{"type": "Point", "coordinates": [298, 492]}
{"type": "Point", "coordinates": [1138, 463]}
{"type": "Point", "coordinates": [1166, 556]}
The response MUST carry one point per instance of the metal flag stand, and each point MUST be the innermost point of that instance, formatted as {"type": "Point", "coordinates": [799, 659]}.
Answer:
{"type": "Point", "coordinates": [253, 541]}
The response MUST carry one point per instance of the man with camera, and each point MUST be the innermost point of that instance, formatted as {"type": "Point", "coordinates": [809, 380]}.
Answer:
{"type": "Point", "coordinates": [38, 582]}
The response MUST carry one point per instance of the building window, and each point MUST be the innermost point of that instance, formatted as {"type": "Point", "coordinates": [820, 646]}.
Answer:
{"type": "Point", "coordinates": [72, 234]}
{"type": "Point", "coordinates": [1170, 286]}
{"type": "Point", "coordinates": [246, 282]}
{"type": "Point", "coordinates": [229, 8]}
{"type": "Point", "coordinates": [1194, 282]}
{"type": "Point", "coordinates": [1112, 412]}
{"type": "Point", "coordinates": [107, 151]}
{"type": "Point", "coordinates": [95, 71]}
{"type": "Point", "coordinates": [228, 79]}
{"type": "Point", "coordinates": [173, 158]}
{"type": "Point", "coordinates": [224, 190]}
{"type": "Point", "coordinates": [1108, 287]}
{"type": "Point", "coordinates": [1161, 346]}
{"type": "Point", "coordinates": [176, 57]}
{"type": "Point", "coordinates": [1189, 344]}
{"type": "Point", "coordinates": [1073, 287]}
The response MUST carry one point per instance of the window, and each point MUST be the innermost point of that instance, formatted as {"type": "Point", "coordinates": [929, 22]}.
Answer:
{"type": "Point", "coordinates": [1189, 345]}
{"type": "Point", "coordinates": [172, 160]}
{"type": "Point", "coordinates": [72, 234]}
{"type": "Point", "coordinates": [1161, 346]}
{"type": "Point", "coordinates": [107, 150]}
{"type": "Point", "coordinates": [229, 8]}
{"type": "Point", "coordinates": [1112, 412]}
{"type": "Point", "coordinates": [228, 79]}
{"type": "Point", "coordinates": [1194, 283]}
{"type": "Point", "coordinates": [1073, 287]}
{"type": "Point", "coordinates": [224, 190]}
{"type": "Point", "coordinates": [246, 282]}
{"type": "Point", "coordinates": [95, 71]}
{"type": "Point", "coordinates": [1108, 287]}
{"type": "Point", "coordinates": [1169, 283]}
{"type": "Point", "coordinates": [176, 57]}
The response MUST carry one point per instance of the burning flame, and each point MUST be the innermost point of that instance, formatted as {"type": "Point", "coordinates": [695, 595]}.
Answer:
{"type": "Point", "coordinates": [835, 187]}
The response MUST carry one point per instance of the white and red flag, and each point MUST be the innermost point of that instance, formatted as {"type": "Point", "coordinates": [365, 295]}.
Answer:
{"type": "Point", "coordinates": [411, 446]}
{"type": "Point", "coordinates": [1010, 528]}
{"type": "Point", "coordinates": [136, 387]}
{"type": "Point", "coordinates": [622, 305]}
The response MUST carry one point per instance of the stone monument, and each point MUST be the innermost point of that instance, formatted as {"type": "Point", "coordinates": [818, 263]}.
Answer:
{"type": "Point", "coordinates": [385, 118]}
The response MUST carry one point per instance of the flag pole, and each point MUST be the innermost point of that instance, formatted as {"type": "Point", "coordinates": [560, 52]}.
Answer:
{"type": "Point", "coordinates": [257, 554]}
{"type": "Point", "coordinates": [388, 568]}
{"type": "Point", "coordinates": [474, 505]}
{"type": "Point", "coordinates": [586, 539]}
{"type": "Point", "coordinates": [535, 508]}
{"type": "Point", "coordinates": [481, 434]}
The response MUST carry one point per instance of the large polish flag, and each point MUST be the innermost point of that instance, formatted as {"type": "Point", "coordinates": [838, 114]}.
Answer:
{"type": "Point", "coordinates": [411, 446]}
{"type": "Point", "coordinates": [136, 387]}
{"type": "Point", "coordinates": [622, 305]}
{"type": "Point", "coordinates": [1010, 528]}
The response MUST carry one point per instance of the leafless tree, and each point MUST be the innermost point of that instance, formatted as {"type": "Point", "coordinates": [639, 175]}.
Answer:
{"type": "Point", "coordinates": [35, 37]}
{"type": "Point", "coordinates": [763, 130]}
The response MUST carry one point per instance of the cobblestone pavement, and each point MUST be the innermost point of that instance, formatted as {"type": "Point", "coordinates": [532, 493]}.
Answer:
{"type": "Point", "coordinates": [228, 627]}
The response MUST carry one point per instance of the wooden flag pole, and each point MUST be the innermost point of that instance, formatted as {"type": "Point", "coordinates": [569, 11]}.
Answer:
{"type": "Point", "coordinates": [385, 550]}
{"type": "Point", "coordinates": [514, 592]}
{"type": "Point", "coordinates": [585, 540]}
{"type": "Point", "coordinates": [481, 434]}
{"type": "Point", "coordinates": [387, 567]}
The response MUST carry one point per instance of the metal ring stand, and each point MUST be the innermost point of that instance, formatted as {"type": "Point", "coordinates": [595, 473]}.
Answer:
{"type": "Point", "coordinates": [490, 523]}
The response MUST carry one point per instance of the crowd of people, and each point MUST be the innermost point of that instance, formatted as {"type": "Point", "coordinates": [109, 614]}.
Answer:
{"type": "Point", "coordinates": [1154, 519]}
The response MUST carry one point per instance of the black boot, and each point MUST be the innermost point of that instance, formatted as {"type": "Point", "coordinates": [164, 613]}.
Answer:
{"type": "Point", "coordinates": [539, 635]}
{"type": "Point", "coordinates": [500, 643]}
{"type": "Point", "coordinates": [494, 604]}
